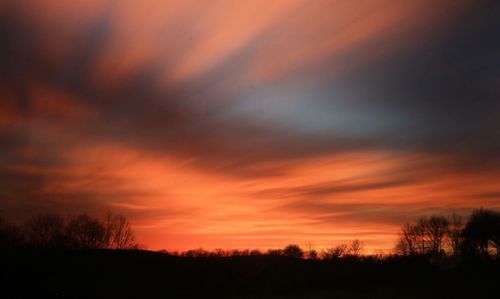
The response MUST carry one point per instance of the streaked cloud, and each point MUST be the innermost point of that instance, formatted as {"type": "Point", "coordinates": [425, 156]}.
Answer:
{"type": "Point", "coordinates": [250, 123]}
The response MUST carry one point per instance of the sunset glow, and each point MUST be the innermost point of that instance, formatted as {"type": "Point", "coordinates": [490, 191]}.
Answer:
{"type": "Point", "coordinates": [250, 124]}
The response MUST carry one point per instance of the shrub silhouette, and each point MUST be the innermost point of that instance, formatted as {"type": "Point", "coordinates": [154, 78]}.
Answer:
{"type": "Point", "coordinates": [312, 254]}
{"type": "Point", "coordinates": [336, 252]}
{"type": "Point", "coordinates": [275, 252]}
{"type": "Point", "coordinates": [293, 250]}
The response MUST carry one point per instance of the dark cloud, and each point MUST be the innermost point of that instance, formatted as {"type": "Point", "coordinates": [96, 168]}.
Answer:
{"type": "Point", "coordinates": [366, 213]}
{"type": "Point", "coordinates": [439, 95]}
{"type": "Point", "coordinates": [330, 189]}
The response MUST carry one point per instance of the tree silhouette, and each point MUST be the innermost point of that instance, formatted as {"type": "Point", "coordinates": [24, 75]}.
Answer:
{"type": "Point", "coordinates": [434, 234]}
{"type": "Point", "coordinates": [425, 235]}
{"type": "Point", "coordinates": [356, 247]}
{"type": "Point", "coordinates": [310, 252]}
{"type": "Point", "coordinates": [436, 228]}
{"type": "Point", "coordinates": [481, 229]}
{"type": "Point", "coordinates": [334, 252]}
{"type": "Point", "coordinates": [118, 233]}
{"type": "Point", "coordinates": [420, 231]}
{"type": "Point", "coordinates": [454, 232]}
{"type": "Point", "coordinates": [86, 232]}
{"type": "Point", "coordinates": [293, 250]}
{"type": "Point", "coordinates": [275, 252]}
{"type": "Point", "coordinates": [408, 240]}
{"type": "Point", "coordinates": [123, 237]}
{"type": "Point", "coordinates": [78, 232]}
{"type": "Point", "coordinates": [10, 235]}
{"type": "Point", "coordinates": [109, 227]}
{"type": "Point", "coordinates": [46, 230]}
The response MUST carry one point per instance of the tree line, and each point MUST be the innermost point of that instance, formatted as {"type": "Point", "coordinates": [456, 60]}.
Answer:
{"type": "Point", "coordinates": [434, 235]}
{"type": "Point", "coordinates": [441, 235]}
{"type": "Point", "coordinates": [51, 230]}
{"type": "Point", "coordinates": [354, 250]}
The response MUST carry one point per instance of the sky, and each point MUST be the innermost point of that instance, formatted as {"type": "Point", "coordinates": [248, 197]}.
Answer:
{"type": "Point", "coordinates": [250, 124]}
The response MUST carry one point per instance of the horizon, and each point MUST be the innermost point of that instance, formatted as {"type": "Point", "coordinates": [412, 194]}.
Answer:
{"type": "Point", "coordinates": [57, 231]}
{"type": "Point", "coordinates": [250, 124]}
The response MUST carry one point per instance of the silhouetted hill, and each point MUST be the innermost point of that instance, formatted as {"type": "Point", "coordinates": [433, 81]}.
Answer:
{"type": "Point", "coordinates": [44, 273]}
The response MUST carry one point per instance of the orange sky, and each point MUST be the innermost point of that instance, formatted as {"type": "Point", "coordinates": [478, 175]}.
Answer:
{"type": "Point", "coordinates": [250, 124]}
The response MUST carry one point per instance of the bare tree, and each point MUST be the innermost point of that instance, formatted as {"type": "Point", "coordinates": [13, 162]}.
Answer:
{"type": "Point", "coordinates": [408, 240]}
{"type": "Point", "coordinates": [46, 230]}
{"type": "Point", "coordinates": [426, 234]}
{"type": "Point", "coordinates": [454, 233]}
{"type": "Point", "coordinates": [311, 252]}
{"type": "Point", "coordinates": [199, 252]}
{"type": "Point", "coordinates": [118, 233]}
{"type": "Point", "coordinates": [335, 252]}
{"type": "Point", "coordinates": [356, 248]}
{"type": "Point", "coordinates": [122, 234]}
{"type": "Point", "coordinates": [86, 232]}
{"type": "Point", "coordinates": [109, 228]}
{"type": "Point", "coordinates": [420, 231]}
{"type": "Point", "coordinates": [436, 228]}
{"type": "Point", "coordinates": [219, 252]}
{"type": "Point", "coordinates": [82, 232]}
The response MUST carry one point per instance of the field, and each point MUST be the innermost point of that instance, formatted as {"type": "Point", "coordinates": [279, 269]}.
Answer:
{"type": "Point", "coordinates": [35, 273]}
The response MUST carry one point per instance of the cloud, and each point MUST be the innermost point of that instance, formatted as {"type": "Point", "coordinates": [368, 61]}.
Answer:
{"type": "Point", "coordinates": [201, 115]}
